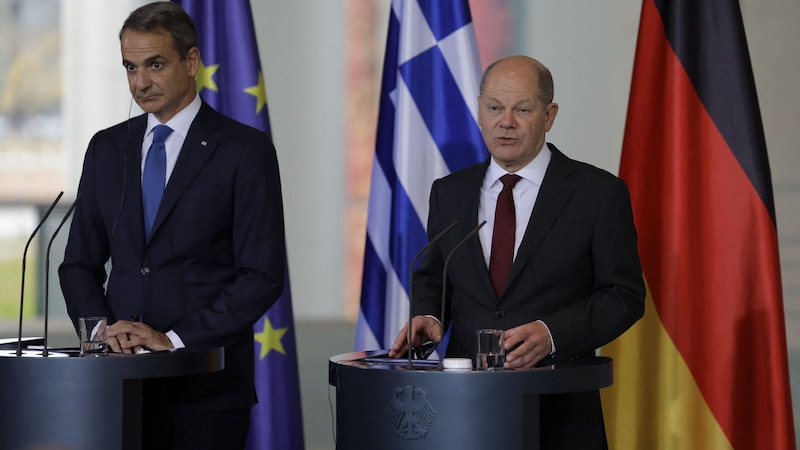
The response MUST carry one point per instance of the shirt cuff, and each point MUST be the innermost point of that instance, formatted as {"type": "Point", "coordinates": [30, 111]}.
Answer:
{"type": "Point", "coordinates": [175, 339]}
{"type": "Point", "coordinates": [552, 344]}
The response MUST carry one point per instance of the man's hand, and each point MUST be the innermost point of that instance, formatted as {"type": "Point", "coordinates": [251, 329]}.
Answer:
{"type": "Point", "coordinates": [534, 344]}
{"type": "Point", "coordinates": [423, 329]}
{"type": "Point", "coordinates": [130, 337]}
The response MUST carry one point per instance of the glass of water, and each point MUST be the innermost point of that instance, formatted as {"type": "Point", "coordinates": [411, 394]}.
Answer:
{"type": "Point", "coordinates": [92, 332]}
{"type": "Point", "coordinates": [491, 353]}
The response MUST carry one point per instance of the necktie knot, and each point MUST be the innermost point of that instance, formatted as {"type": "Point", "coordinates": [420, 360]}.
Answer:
{"type": "Point", "coordinates": [161, 133]}
{"type": "Point", "coordinates": [509, 180]}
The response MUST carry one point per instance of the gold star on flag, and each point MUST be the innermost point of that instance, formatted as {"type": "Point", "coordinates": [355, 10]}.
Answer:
{"type": "Point", "coordinates": [259, 92]}
{"type": "Point", "coordinates": [270, 339]}
{"type": "Point", "coordinates": [204, 77]}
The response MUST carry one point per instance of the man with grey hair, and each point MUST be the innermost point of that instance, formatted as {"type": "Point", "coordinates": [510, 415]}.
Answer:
{"type": "Point", "coordinates": [556, 265]}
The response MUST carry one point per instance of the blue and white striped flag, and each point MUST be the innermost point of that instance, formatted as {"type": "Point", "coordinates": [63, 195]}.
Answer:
{"type": "Point", "coordinates": [427, 128]}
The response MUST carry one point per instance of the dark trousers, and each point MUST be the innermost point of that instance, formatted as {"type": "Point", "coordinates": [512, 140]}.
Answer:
{"type": "Point", "coordinates": [572, 421]}
{"type": "Point", "coordinates": [169, 428]}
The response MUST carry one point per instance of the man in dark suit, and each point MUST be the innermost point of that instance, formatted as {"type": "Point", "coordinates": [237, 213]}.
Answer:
{"type": "Point", "coordinates": [575, 282]}
{"type": "Point", "coordinates": [195, 268]}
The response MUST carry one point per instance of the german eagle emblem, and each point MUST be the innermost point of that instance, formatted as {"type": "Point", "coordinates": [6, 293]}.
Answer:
{"type": "Point", "coordinates": [410, 414]}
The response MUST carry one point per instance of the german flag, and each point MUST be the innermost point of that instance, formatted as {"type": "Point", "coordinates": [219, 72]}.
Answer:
{"type": "Point", "coordinates": [707, 366]}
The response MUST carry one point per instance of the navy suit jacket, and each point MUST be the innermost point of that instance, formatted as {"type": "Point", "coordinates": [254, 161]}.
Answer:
{"type": "Point", "coordinates": [215, 261]}
{"type": "Point", "coordinates": [577, 269]}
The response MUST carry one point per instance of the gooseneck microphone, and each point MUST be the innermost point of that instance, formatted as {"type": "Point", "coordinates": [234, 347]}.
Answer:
{"type": "Point", "coordinates": [444, 286]}
{"type": "Point", "coordinates": [47, 272]}
{"type": "Point", "coordinates": [24, 259]}
{"type": "Point", "coordinates": [411, 283]}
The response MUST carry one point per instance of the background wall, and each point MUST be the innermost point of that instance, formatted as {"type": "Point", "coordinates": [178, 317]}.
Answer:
{"type": "Point", "coordinates": [302, 56]}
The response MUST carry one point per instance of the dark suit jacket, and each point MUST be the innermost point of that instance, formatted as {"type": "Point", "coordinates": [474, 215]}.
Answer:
{"type": "Point", "coordinates": [215, 261]}
{"type": "Point", "coordinates": [577, 269]}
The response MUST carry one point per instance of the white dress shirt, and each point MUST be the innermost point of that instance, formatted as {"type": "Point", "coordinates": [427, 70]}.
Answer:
{"type": "Point", "coordinates": [525, 193]}
{"type": "Point", "coordinates": [180, 124]}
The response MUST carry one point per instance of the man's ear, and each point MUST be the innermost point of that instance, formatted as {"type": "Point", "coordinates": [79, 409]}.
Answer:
{"type": "Point", "coordinates": [550, 116]}
{"type": "Point", "coordinates": [192, 61]}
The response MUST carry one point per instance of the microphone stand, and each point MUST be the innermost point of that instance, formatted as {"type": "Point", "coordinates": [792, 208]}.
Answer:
{"type": "Point", "coordinates": [411, 285]}
{"type": "Point", "coordinates": [444, 287]}
{"type": "Point", "coordinates": [47, 272]}
{"type": "Point", "coordinates": [24, 258]}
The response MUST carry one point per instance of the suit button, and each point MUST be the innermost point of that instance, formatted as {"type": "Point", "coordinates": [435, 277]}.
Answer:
{"type": "Point", "coordinates": [499, 314]}
{"type": "Point", "coordinates": [145, 271]}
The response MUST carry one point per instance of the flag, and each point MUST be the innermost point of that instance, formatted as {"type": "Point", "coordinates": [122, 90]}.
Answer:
{"type": "Point", "coordinates": [707, 366]}
{"type": "Point", "coordinates": [427, 128]}
{"type": "Point", "coordinates": [231, 81]}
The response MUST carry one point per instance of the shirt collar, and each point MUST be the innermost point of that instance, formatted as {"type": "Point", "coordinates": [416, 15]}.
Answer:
{"type": "Point", "coordinates": [533, 171]}
{"type": "Point", "coordinates": [180, 122]}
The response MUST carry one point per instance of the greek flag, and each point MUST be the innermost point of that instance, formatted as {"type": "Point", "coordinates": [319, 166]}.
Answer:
{"type": "Point", "coordinates": [427, 128]}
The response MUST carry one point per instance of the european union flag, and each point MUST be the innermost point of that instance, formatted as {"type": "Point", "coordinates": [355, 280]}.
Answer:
{"type": "Point", "coordinates": [230, 80]}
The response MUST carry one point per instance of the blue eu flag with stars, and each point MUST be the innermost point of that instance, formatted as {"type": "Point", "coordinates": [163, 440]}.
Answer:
{"type": "Point", "coordinates": [231, 81]}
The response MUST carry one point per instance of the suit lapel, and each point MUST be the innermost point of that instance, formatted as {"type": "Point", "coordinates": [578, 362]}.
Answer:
{"type": "Point", "coordinates": [198, 146]}
{"type": "Point", "coordinates": [133, 174]}
{"type": "Point", "coordinates": [473, 247]}
{"type": "Point", "coordinates": [473, 252]}
{"type": "Point", "coordinates": [554, 194]}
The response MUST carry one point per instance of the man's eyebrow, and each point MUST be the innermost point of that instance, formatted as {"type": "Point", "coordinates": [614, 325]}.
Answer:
{"type": "Point", "coordinates": [147, 61]}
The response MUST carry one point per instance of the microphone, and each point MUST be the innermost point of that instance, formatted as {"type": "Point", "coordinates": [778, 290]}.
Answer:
{"type": "Point", "coordinates": [47, 271]}
{"type": "Point", "coordinates": [411, 283]}
{"type": "Point", "coordinates": [24, 259]}
{"type": "Point", "coordinates": [444, 285]}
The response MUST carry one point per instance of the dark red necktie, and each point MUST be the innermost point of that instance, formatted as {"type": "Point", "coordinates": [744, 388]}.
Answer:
{"type": "Point", "coordinates": [502, 256]}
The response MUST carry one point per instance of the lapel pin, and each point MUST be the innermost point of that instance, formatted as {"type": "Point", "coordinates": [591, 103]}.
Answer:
{"type": "Point", "coordinates": [203, 143]}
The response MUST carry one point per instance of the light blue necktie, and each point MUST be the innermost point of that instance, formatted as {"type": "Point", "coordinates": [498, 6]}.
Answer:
{"type": "Point", "coordinates": [155, 176]}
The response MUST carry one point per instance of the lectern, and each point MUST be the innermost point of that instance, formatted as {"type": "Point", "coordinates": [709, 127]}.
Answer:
{"type": "Point", "coordinates": [381, 403]}
{"type": "Point", "coordinates": [69, 402]}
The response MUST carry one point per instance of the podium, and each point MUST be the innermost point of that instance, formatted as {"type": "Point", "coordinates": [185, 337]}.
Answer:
{"type": "Point", "coordinates": [381, 403]}
{"type": "Point", "coordinates": [69, 402]}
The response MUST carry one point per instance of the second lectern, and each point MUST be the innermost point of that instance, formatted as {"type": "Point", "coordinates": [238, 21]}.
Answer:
{"type": "Point", "coordinates": [381, 403]}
